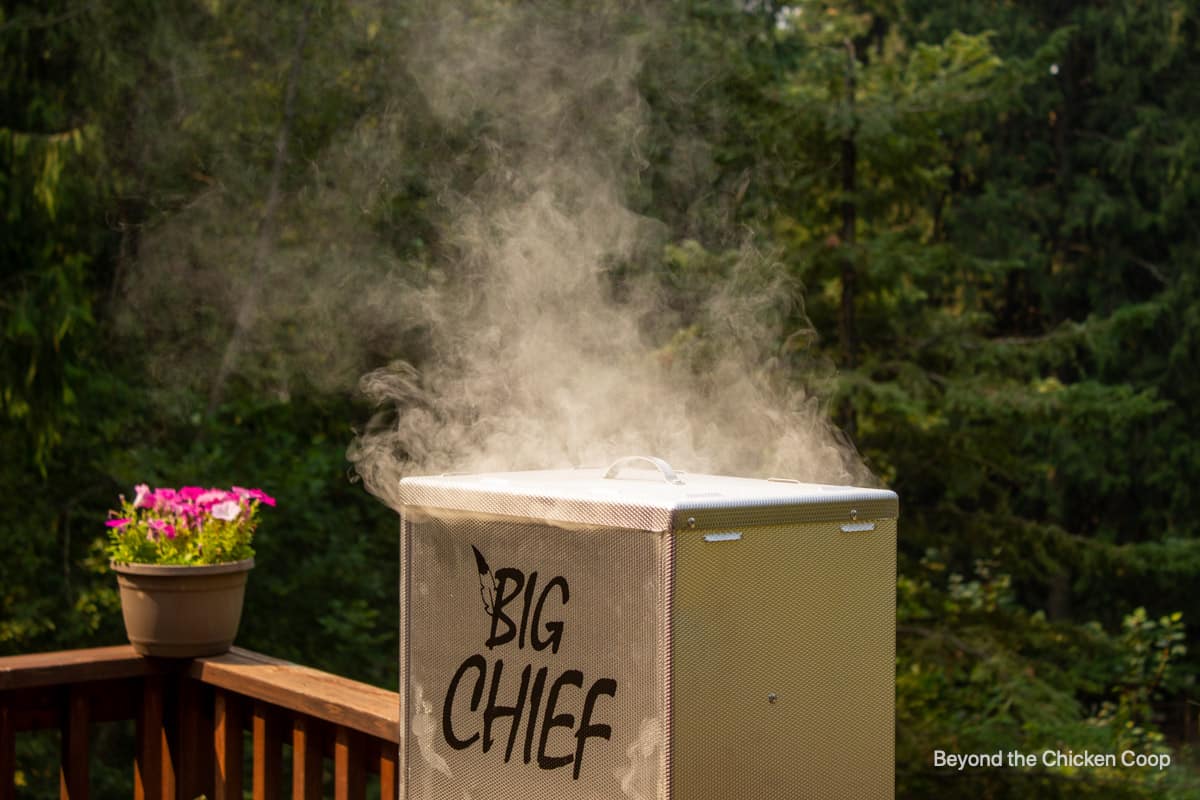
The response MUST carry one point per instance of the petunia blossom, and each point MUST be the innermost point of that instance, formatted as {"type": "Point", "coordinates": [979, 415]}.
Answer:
{"type": "Point", "coordinates": [227, 511]}
{"type": "Point", "coordinates": [116, 523]}
{"type": "Point", "coordinates": [212, 497]}
{"type": "Point", "coordinates": [144, 497]}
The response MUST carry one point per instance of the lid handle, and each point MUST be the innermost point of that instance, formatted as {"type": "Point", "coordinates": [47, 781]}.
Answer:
{"type": "Point", "coordinates": [662, 466]}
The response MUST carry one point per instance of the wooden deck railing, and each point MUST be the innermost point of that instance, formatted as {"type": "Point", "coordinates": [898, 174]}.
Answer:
{"type": "Point", "coordinates": [191, 717]}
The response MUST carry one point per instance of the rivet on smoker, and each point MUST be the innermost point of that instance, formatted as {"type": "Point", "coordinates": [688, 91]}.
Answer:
{"type": "Point", "coordinates": [691, 522]}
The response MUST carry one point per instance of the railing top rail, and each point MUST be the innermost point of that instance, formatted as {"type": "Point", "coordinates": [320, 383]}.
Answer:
{"type": "Point", "coordinates": [76, 666]}
{"type": "Point", "coordinates": [318, 694]}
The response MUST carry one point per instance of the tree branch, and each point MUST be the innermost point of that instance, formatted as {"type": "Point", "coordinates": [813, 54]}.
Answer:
{"type": "Point", "coordinates": [32, 23]}
{"type": "Point", "coordinates": [266, 226]}
{"type": "Point", "coordinates": [949, 638]}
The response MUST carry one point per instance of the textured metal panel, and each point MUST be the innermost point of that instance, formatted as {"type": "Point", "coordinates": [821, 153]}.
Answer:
{"type": "Point", "coordinates": [801, 613]}
{"type": "Point", "coordinates": [843, 511]}
{"type": "Point", "coordinates": [406, 528]}
{"type": "Point", "coordinates": [544, 508]}
{"type": "Point", "coordinates": [469, 579]}
{"type": "Point", "coordinates": [641, 499]}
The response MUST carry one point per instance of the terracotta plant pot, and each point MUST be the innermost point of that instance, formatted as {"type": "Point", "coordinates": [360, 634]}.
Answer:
{"type": "Point", "coordinates": [182, 611]}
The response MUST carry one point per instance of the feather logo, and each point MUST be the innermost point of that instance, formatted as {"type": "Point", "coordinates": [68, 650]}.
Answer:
{"type": "Point", "coordinates": [487, 583]}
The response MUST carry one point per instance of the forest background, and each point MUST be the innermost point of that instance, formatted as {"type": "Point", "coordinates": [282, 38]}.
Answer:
{"type": "Point", "coordinates": [979, 224]}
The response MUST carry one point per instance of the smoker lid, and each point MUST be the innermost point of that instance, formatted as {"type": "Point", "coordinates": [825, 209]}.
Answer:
{"type": "Point", "coordinates": [628, 496]}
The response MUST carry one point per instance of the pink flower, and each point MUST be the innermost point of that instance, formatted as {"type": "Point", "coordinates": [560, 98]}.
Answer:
{"type": "Point", "coordinates": [117, 523]}
{"type": "Point", "coordinates": [227, 511]}
{"type": "Point", "coordinates": [190, 492]}
{"type": "Point", "coordinates": [213, 496]}
{"type": "Point", "coordinates": [144, 497]}
{"type": "Point", "coordinates": [162, 527]}
{"type": "Point", "coordinates": [255, 494]}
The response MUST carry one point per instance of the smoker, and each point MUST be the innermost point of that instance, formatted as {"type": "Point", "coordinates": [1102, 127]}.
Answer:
{"type": "Point", "coordinates": [637, 632]}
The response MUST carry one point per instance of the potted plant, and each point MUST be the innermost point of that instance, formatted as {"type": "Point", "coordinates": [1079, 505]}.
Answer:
{"type": "Point", "coordinates": [182, 557]}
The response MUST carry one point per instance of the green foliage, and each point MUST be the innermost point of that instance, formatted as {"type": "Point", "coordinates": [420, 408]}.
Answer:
{"type": "Point", "coordinates": [1012, 679]}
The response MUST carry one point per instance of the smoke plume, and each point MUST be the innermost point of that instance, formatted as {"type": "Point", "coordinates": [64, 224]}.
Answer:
{"type": "Point", "coordinates": [541, 353]}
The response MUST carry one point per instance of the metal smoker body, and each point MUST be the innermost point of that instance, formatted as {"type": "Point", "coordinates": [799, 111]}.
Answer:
{"type": "Point", "coordinates": [642, 634]}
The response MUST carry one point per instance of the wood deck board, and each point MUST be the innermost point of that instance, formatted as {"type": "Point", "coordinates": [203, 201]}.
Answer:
{"type": "Point", "coordinates": [322, 695]}
{"type": "Point", "coordinates": [78, 666]}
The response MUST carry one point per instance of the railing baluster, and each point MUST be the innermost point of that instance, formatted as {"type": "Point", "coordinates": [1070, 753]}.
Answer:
{"type": "Point", "coordinates": [169, 737]}
{"type": "Point", "coordinates": [348, 782]}
{"type": "Point", "coordinates": [8, 750]}
{"type": "Point", "coordinates": [73, 767]}
{"type": "Point", "coordinates": [148, 759]}
{"type": "Point", "coordinates": [195, 738]}
{"type": "Point", "coordinates": [268, 754]}
{"type": "Point", "coordinates": [154, 764]}
{"type": "Point", "coordinates": [389, 787]}
{"type": "Point", "coordinates": [306, 759]}
{"type": "Point", "coordinates": [227, 747]}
